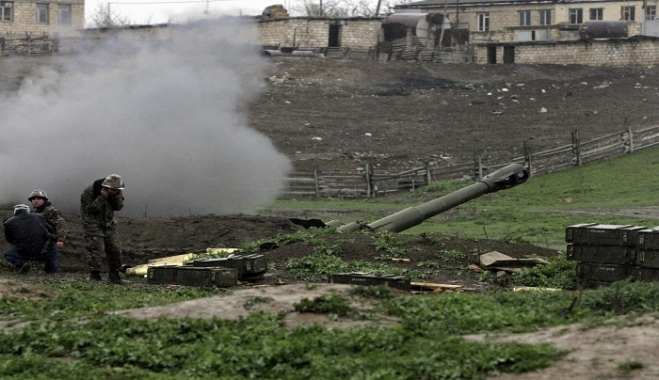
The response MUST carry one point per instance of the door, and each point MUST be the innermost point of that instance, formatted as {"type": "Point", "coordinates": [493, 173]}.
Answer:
{"type": "Point", "coordinates": [334, 36]}
{"type": "Point", "coordinates": [508, 54]}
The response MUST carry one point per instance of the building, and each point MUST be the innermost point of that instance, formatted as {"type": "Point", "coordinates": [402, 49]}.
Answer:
{"type": "Point", "coordinates": [535, 20]}
{"type": "Point", "coordinates": [21, 18]}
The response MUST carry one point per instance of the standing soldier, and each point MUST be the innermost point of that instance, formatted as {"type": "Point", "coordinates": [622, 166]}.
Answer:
{"type": "Point", "coordinates": [98, 203]}
{"type": "Point", "coordinates": [42, 206]}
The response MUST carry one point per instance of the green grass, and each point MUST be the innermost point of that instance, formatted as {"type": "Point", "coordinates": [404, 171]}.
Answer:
{"type": "Point", "coordinates": [535, 212]}
{"type": "Point", "coordinates": [425, 343]}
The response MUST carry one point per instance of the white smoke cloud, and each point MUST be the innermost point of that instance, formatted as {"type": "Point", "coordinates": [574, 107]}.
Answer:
{"type": "Point", "coordinates": [164, 113]}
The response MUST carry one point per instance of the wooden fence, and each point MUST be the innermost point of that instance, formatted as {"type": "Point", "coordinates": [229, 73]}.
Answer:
{"type": "Point", "coordinates": [369, 183]}
{"type": "Point", "coordinates": [29, 45]}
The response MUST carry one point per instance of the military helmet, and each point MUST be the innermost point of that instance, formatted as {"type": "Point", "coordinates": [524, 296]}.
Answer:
{"type": "Point", "coordinates": [113, 181]}
{"type": "Point", "coordinates": [38, 194]}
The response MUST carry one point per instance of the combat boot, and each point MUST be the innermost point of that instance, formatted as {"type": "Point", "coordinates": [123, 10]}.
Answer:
{"type": "Point", "coordinates": [95, 276]}
{"type": "Point", "coordinates": [115, 278]}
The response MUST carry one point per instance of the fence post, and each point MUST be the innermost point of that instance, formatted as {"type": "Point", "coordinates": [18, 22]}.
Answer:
{"type": "Point", "coordinates": [630, 136]}
{"type": "Point", "coordinates": [315, 177]}
{"type": "Point", "coordinates": [479, 163]}
{"type": "Point", "coordinates": [528, 157]}
{"type": "Point", "coordinates": [576, 148]}
{"type": "Point", "coordinates": [428, 176]}
{"type": "Point", "coordinates": [369, 183]}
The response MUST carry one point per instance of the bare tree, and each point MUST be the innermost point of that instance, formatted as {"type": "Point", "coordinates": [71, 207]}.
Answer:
{"type": "Point", "coordinates": [346, 8]}
{"type": "Point", "coordinates": [104, 17]}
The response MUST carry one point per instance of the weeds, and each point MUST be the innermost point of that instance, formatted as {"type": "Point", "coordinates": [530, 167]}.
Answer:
{"type": "Point", "coordinates": [326, 304]}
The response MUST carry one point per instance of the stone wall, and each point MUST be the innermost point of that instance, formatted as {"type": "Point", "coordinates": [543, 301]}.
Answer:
{"type": "Point", "coordinates": [315, 32]}
{"type": "Point", "coordinates": [635, 51]}
{"type": "Point", "coordinates": [24, 20]}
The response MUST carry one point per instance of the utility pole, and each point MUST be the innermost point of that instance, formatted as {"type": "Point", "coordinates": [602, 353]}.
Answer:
{"type": "Point", "coordinates": [321, 8]}
{"type": "Point", "coordinates": [377, 9]}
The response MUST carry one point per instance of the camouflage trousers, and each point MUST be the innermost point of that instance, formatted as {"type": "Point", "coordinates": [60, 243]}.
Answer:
{"type": "Point", "coordinates": [97, 246]}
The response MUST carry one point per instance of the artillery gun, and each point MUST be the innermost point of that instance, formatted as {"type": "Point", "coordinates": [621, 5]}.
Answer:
{"type": "Point", "coordinates": [502, 179]}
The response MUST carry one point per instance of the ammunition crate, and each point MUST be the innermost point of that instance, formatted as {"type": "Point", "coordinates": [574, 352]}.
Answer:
{"type": "Point", "coordinates": [206, 276]}
{"type": "Point", "coordinates": [645, 274]}
{"type": "Point", "coordinates": [602, 234]}
{"type": "Point", "coordinates": [163, 274]}
{"type": "Point", "coordinates": [248, 266]}
{"type": "Point", "coordinates": [648, 239]}
{"type": "Point", "coordinates": [601, 254]}
{"type": "Point", "coordinates": [648, 259]}
{"type": "Point", "coordinates": [603, 272]}
{"type": "Point", "coordinates": [398, 282]}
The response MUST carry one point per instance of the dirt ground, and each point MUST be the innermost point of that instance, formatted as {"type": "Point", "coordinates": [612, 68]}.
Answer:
{"type": "Point", "coordinates": [396, 115]}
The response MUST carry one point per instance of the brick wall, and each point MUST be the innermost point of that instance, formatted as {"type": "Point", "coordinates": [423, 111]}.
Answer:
{"type": "Point", "coordinates": [314, 33]}
{"type": "Point", "coordinates": [637, 51]}
{"type": "Point", "coordinates": [25, 20]}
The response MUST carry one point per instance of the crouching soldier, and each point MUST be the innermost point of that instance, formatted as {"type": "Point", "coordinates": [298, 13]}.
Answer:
{"type": "Point", "coordinates": [43, 206]}
{"type": "Point", "coordinates": [32, 239]}
{"type": "Point", "coordinates": [98, 203]}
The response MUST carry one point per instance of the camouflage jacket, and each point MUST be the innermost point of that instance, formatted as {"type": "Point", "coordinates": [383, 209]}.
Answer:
{"type": "Point", "coordinates": [54, 218]}
{"type": "Point", "coordinates": [97, 213]}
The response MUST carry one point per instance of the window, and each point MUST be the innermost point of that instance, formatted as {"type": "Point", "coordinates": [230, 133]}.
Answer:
{"type": "Point", "coordinates": [6, 8]}
{"type": "Point", "coordinates": [628, 13]}
{"type": "Point", "coordinates": [597, 13]}
{"type": "Point", "coordinates": [64, 14]}
{"type": "Point", "coordinates": [483, 22]}
{"type": "Point", "coordinates": [544, 17]}
{"type": "Point", "coordinates": [650, 12]}
{"type": "Point", "coordinates": [42, 13]}
{"type": "Point", "coordinates": [524, 18]}
{"type": "Point", "coordinates": [576, 16]}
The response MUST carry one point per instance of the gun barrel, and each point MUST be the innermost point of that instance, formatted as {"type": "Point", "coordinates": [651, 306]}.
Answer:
{"type": "Point", "coordinates": [502, 179]}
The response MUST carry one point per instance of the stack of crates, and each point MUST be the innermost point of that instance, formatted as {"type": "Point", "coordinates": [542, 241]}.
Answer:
{"type": "Point", "coordinates": [647, 255]}
{"type": "Point", "coordinates": [605, 253]}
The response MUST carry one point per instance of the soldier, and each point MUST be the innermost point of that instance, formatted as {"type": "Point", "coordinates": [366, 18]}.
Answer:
{"type": "Point", "coordinates": [42, 206]}
{"type": "Point", "coordinates": [98, 203]}
{"type": "Point", "coordinates": [32, 240]}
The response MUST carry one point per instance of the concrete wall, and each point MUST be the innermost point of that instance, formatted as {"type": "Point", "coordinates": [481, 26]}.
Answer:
{"type": "Point", "coordinates": [638, 51]}
{"type": "Point", "coordinates": [25, 19]}
{"type": "Point", "coordinates": [315, 33]}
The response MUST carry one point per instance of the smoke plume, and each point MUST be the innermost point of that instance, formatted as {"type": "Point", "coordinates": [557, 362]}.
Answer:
{"type": "Point", "coordinates": [166, 111]}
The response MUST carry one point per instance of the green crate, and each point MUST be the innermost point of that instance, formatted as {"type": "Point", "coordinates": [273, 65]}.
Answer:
{"type": "Point", "coordinates": [602, 234]}
{"type": "Point", "coordinates": [162, 274]}
{"type": "Point", "coordinates": [608, 254]}
{"type": "Point", "coordinates": [206, 276]}
{"type": "Point", "coordinates": [648, 239]}
{"type": "Point", "coordinates": [645, 274]}
{"type": "Point", "coordinates": [603, 272]}
{"type": "Point", "coordinates": [648, 259]}
{"type": "Point", "coordinates": [398, 282]}
{"type": "Point", "coordinates": [249, 266]}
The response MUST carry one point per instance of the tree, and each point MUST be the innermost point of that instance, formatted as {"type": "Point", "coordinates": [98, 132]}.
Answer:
{"type": "Point", "coordinates": [104, 17]}
{"type": "Point", "coordinates": [346, 8]}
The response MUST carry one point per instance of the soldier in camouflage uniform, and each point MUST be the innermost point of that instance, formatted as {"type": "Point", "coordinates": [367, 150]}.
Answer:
{"type": "Point", "coordinates": [42, 206]}
{"type": "Point", "coordinates": [98, 203]}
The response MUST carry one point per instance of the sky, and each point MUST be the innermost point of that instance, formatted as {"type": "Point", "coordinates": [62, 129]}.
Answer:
{"type": "Point", "coordinates": [141, 12]}
{"type": "Point", "coordinates": [170, 118]}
